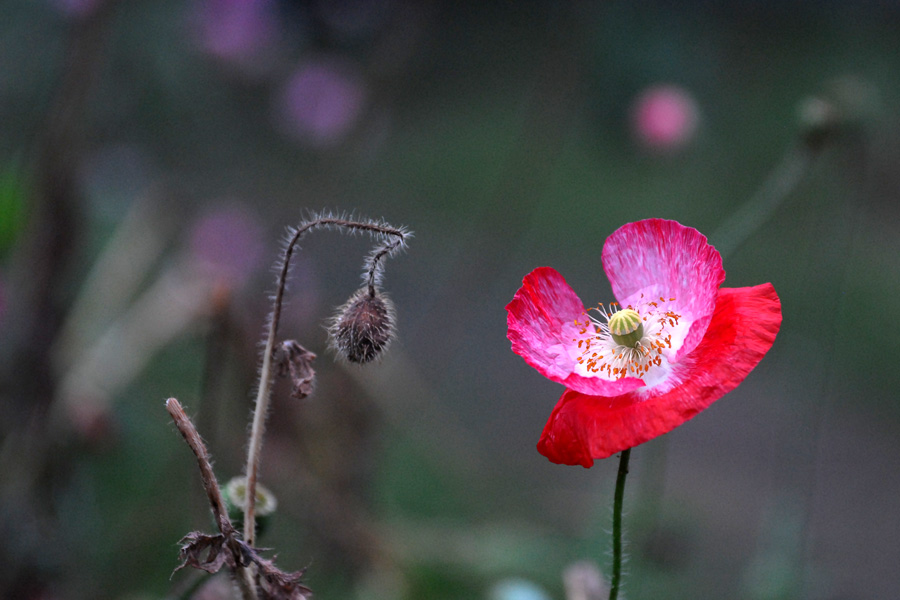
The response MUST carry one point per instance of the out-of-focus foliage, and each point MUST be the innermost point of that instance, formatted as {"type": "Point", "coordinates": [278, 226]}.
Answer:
{"type": "Point", "coordinates": [12, 200]}
{"type": "Point", "coordinates": [141, 139]}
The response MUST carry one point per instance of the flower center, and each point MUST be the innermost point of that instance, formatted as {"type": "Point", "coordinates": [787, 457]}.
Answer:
{"type": "Point", "coordinates": [625, 328]}
{"type": "Point", "coordinates": [626, 342]}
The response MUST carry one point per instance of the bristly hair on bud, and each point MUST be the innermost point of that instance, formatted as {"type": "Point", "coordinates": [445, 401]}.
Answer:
{"type": "Point", "coordinates": [363, 327]}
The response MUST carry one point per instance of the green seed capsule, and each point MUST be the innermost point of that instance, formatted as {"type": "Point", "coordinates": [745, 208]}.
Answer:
{"type": "Point", "coordinates": [626, 328]}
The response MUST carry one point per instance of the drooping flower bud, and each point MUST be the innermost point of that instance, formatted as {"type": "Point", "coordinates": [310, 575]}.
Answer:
{"type": "Point", "coordinates": [819, 121]}
{"type": "Point", "coordinates": [363, 327]}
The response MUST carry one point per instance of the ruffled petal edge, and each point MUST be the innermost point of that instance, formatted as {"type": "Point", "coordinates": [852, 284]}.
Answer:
{"type": "Point", "coordinates": [583, 428]}
{"type": "Point", "coordinates": [540, 325]}
{"type": "Point", "coordinates": [667, 259]}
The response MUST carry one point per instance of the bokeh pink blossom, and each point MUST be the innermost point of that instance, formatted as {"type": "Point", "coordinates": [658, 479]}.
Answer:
{"type": "Point", "coordinates": [665, 118]}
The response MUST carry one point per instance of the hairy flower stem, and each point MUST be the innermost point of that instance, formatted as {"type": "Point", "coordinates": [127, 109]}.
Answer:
{"type": "Point", "coordinates": [257, 429]}
{"type": "Point", "coordinates": [617, 525]}
{"type": "Point", "coordinates": [213, 492]}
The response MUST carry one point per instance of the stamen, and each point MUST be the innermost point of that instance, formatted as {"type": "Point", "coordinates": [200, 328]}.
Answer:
{"type": "Point", "coordinates": [626, 341]}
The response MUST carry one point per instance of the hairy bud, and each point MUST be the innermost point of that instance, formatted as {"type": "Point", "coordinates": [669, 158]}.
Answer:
{"type": "Point", "coordinates": [363, 327]}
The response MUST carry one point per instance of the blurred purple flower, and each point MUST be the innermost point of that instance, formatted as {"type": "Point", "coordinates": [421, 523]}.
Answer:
{"type": "Point", "coordinates": [236, 31]}
{"type": "Point", "coordinates": [665, 118]}
{"type": "Point", "coordinates": [76, 8]}
{"type": "Point", "coordinates": [228, 244]}
{"type": "Point", "coordinates": [321, 102]}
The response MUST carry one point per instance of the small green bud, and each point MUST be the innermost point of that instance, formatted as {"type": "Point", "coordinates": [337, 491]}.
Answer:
{"type": "Point", "coordinates": [235, 494]}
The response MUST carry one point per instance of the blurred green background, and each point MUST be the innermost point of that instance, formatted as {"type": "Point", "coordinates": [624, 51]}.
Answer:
{"type": "Point", "coordinates": [152, 155]}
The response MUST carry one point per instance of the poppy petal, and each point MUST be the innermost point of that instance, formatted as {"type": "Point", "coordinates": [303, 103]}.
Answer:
{"type": "Point", "coordinates": [656, 257]}
{"type": "Point", "coordinates": [541, 326]}
{"type": "Point", "coordinates": [743, 328]}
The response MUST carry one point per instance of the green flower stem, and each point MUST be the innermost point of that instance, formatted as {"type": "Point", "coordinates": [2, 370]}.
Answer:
{"type": "Point", "coordinates": [617, 525]}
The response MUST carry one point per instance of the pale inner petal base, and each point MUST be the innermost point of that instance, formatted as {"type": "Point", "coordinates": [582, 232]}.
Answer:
{"type": "Point", "coordinates": [598, 355]}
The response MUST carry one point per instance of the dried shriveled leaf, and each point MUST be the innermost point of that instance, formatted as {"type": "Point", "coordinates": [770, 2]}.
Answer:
{"type": "Point", "coordinates": [278, 585]}
{"type": "Point", "coordinates": [295, 360]}
{"type": "Point", "coordinates": [212, 552]}
{"type": "Point", "coordinates": [206, 552]}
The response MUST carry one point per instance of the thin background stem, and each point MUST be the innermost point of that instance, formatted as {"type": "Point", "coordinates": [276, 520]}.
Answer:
{"type": "Point", "coordinates": [731, 234]}
{"type": "Point", "coordinates": [754, 213]}
{"type": "Point", "coordinates": [617, 524]}
{"type": "Point", "coordinates": [257, 430]}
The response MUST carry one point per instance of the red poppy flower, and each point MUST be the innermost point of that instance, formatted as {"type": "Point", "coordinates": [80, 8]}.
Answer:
{"type": "Point", "coordinates": [673, 344]}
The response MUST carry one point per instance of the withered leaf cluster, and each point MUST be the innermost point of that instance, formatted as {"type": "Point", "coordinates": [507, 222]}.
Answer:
{"type": "Point", "coordinates": [212, 552]}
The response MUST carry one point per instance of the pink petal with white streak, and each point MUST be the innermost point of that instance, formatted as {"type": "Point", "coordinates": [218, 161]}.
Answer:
{"type": "Point", "coordinates": [659, 258]}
